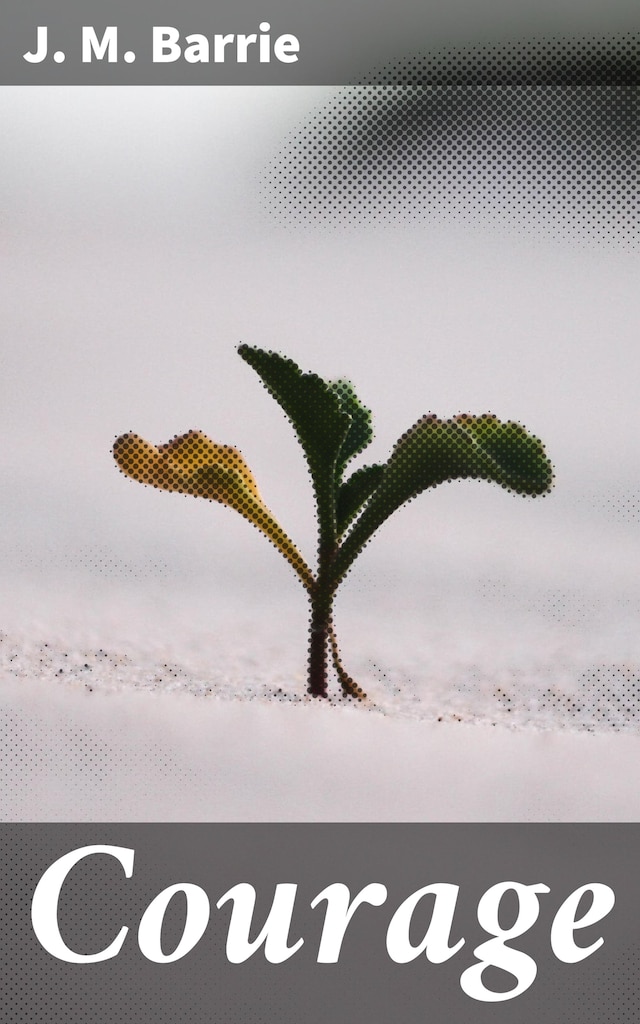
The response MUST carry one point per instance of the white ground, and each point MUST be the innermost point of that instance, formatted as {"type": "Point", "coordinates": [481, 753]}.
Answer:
{"type": "Point", "coordinates": [188, 704]}
{"type": "Point", "coordinates": [153, 647]}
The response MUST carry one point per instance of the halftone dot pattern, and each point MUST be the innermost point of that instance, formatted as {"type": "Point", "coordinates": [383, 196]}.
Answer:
{"type": "Point", "coordinates": [112, 670]}
{"type": "Point", "coordinates": [625, 508]}
{"type": "Point", "coordinates": [579, 691]}
{"type": "Point", "coordinates": [611, 694]}
{"type": "Point", "coordinates": [572, 61]}
{"type": "Point", "coordinates": [540, 138]}
{"type": "Point", "coordinates": [606, 993]}
{"type": "Point", "coordinates": [89, 760]}
{"type": "Point", "coordinates": [110, 565]}
{"type": "Point", "coordinates": [618, 505]}
{"type": "Point", "coordinates": [192, 464]}
{"type": "Point", "coordinates": [603, 698]}
{"type": "Point", "coordinates": [96, 901]}
{"type": "Point", "coordinates": [332, 426]}
{"type": "Point", "coordinates": [203, 988]}
{"type": "Point", "coordinates": [476, 447]}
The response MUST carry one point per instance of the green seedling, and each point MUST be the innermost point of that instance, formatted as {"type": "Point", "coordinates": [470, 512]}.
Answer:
{"type": "Point", "coordinates": [333, 427]}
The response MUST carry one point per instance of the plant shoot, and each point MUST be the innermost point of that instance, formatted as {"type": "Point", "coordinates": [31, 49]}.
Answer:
{"type": "Point", "coordinates": [333, 427]}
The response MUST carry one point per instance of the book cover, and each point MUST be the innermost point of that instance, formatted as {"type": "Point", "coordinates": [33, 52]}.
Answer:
{"type": "Point", "coordinates": [320, 511]}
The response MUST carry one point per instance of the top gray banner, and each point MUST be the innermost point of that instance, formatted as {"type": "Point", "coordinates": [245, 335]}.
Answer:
{"type": "Point", "coordinates": [336, 42]}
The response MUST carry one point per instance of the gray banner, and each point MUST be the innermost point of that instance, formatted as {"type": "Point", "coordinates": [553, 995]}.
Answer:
{"type": "Point", "coordinates": [197, 42]}
{"type": "Point", "coordinates": [94, 900]}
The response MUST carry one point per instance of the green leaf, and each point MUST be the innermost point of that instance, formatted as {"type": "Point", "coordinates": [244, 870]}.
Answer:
{"type": "Point", "coordinates": [318, 419]}
{"type": "Point", "coordinates": [360, 433]}
{"type": "Point", "coordinates": [435, 450]}
{"type": "Point", "coordinates": [354, 492]}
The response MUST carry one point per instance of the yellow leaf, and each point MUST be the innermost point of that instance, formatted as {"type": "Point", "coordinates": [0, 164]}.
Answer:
{"type": "Point", "coordinates": [192, 464]}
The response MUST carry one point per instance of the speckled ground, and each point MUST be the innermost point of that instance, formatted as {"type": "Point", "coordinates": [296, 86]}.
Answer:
{"type": "Point", "coordinates": [123, 703]}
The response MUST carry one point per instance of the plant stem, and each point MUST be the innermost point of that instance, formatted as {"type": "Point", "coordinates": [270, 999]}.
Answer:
{"type": "Point", "coordinates": [349, 686]}
{"type": "Point", "coordinates": [317, 676]}
{"type": "Point", "coordinates": [321, 600]}
{"type": "Point", "coordinates": [322, 639]}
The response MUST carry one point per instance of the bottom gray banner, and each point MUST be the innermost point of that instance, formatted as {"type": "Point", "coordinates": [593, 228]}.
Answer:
{"type": "Point", "coordinates": [309, 924]}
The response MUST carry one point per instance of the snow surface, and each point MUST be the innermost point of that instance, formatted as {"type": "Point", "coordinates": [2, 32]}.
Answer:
{"type": "Point", "coordinates": [165, 705]}
{"type": "Point", "coordinates": [153, 647]}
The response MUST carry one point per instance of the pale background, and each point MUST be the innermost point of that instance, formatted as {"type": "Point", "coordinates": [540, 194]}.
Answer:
{"type": "Point", "coordinates": [138, 252]}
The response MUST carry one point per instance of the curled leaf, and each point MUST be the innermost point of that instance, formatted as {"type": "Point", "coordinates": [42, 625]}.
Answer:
{"type": "Point", "coordinates": [318, 418]}
{"type": "Point", "coordinates": [193, 464]}
{"type": "Point", "coordinates": [360, 432]}
{"type": "Point", "coordinates": [433, 451]}
{"type": "Point", "coordinates": [354, 492]}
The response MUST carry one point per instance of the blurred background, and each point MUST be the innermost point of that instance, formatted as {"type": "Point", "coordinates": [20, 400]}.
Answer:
{"type": "Point", "coordinates": [145, 235]}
